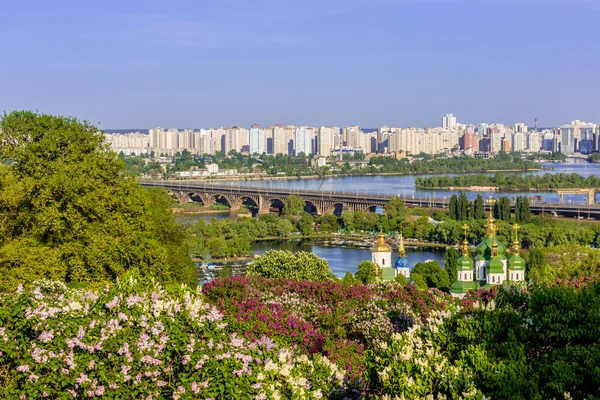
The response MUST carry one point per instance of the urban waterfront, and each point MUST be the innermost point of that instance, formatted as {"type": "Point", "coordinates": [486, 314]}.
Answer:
{"type": "Point", "coordinates": [404, 185]}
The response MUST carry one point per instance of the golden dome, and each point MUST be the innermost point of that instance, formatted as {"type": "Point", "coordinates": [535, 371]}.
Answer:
{"type": "Point", "coordinates": [381, 245]}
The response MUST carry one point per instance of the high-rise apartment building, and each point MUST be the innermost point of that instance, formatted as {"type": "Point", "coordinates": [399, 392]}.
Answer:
{"type": "Point", "coordinates": [257, 141]}
{"type": "Point", "coordinates": [303, 140]}
{"type": "Point", "coordinates": [448, 121]}
{"type": "Point", "coordinates": [520, 127]}
{"type": "Point", "coordinates": [533, 142]}
{"type": "Point", "coordinates": [517, 141]}
{"type": "Point", "coordinates": [325, 142]}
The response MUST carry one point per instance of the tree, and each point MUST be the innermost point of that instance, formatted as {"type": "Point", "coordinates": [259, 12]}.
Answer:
{"type": "Point", "coordinates": [365, 272]}
{"type": "Point", "coordinates": [502, 208]}
{"type": "Point", "coordinates": [283, 227]}
{"type": "Point", "coordinates": [536, 260]}
{"type": "Point", "coordinates": [522, 210]}
{"type": "Point", "coordinates": [462, 208]}
{"type": "Point", "coordinates": [453, 207]}
{"type": "Point", "coordinates": [394, 209]}
{"type": "Point", "coordinates": [451, 264]}
{"type": "Point", "coordinates": [349, 279]}
{"type": "Point", "coordinates": [285, 264]}
{"type": "Point", "coordinates": [293, 205]}
{"type": "Point", "coordinates": [328, 223]}
{"type": "Point", "coordinates": [72, 213]}
{"type": "Point", "coordinates": [433, 274]}
{"type": "Point", "coordinates": [305, 224]}
{"type": "Point", "coordinates": [418, 280]}
{"type": "Point", "coordinates": [478, 210]}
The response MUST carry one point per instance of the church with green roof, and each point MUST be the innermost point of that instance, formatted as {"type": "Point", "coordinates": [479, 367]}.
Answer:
{"type": "Point", "coordinates": [493, 264]}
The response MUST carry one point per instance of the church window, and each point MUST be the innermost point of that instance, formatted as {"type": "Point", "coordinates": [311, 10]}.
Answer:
{"type": "Point", "coordinates": [383, 261]}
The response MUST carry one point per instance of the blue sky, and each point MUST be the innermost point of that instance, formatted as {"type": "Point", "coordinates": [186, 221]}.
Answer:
{"type": "Point", "coordinates": [204, 63]}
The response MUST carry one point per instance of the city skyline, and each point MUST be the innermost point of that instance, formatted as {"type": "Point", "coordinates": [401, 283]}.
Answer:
{"type": "Point", "coordinates": [400, 63]}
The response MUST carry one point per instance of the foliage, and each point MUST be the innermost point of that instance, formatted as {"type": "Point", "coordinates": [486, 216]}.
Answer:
{"type": "Point", "coordinates": [508, 182]}
{"type": "Point", "coordinates": [563, 262]}
{"type": "Point", "coordinates": [395, 210]}
{"type": "Point", "coordinates": [451, 264]}
{"type": "Point", "coordinates": [328, 317]}
{"type": "Point", "coordinates": [365, 272]}
{"type": "Point", "coordinates": [433, 274]}
{"type": "Point", "coordinates": [70, 212]}
{"type": "Point", "coordinates": [349, 279]}
{"type": "Point", "coordinates": [285, 264]}
{"type": "Point", "coordinates": [478, 208]}
{"type": "Point", "coordinates": [502, 208]}
{"type": "Point", "coordinates": [138, 340]}
{"type": "Point", "coordinates": [293, 205]}
{"type": "Point", "coordinates": [522, 210]}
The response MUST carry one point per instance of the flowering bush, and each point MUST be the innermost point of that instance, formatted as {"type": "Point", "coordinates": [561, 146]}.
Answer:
{"type": "Point", "coordinates": [139, 340]}
{"type": "Point", "coordinates": [330, 318]}
{"type": "Point", "coordinates": [255, 338]}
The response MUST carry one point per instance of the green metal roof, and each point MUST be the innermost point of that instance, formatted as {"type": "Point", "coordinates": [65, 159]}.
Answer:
{"type": "Point", "coordinates": [461, 287]}
{"type": "Point", "coordinates": [516, 263]}
{"type": "Point", "coordinates": [388, 273]}
{"type": "Point", "coordinates": [485, 248]}
{"type": "Point", "coordinates": [465, 263]}
{"type": "Point", "coordinates": [495, 266]}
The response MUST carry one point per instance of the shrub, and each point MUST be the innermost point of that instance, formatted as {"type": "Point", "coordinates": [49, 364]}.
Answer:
{"type": "Point", "coordinates": [139, 340]}
{"type": "Point", "coordinates": [285, 264]}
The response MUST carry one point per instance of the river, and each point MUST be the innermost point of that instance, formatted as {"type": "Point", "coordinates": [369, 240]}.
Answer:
{"type": "Point", "coordinates": [404, 185]}
{"type": "Point", "coordinates": [342, 260]}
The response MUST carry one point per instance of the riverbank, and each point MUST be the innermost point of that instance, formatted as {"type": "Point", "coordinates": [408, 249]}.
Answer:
{"type": "Point", "coordinates": [335, 240]}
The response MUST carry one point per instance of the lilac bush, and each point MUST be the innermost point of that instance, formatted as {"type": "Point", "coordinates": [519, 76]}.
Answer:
{"type": "Point", "coordinates": [139, 340]}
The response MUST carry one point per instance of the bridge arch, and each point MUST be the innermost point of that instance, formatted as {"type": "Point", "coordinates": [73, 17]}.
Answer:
{"type": "Point", "coordinates": [221, 199]}
{"type": "Point", "coordinates": [312, 207]}
{"type": "Point", "coordinates": [337, 208]}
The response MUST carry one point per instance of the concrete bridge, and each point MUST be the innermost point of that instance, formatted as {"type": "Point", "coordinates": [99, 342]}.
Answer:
{"type": "Point", "coordinates": [320, 202]}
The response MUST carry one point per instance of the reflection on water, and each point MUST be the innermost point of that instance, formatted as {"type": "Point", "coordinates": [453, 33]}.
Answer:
{"type": "Point", "coordinates": [342, 260]}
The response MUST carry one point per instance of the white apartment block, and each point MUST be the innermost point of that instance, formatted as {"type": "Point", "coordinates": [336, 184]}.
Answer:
{"type": "Point", "coordinates": [257, 141]}
{"type": "Point", "coordinates": [303, 140]}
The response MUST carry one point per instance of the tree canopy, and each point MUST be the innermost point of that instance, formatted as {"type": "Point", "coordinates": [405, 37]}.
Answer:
{"type": "Point", "coordinates": [69, 211]}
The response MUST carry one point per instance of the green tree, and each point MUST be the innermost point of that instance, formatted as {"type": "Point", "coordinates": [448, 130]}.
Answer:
{"type": "Point", "coordinates": [394, 209]}
{"type": "Point", "coordinates": [293, 205]}
{"type": "Point", "coordinates": [462, 207]}
{"type": "Point", "coordinates": [434, 275]}
{"type": "Point", "coordinates": [283, 227]}
{"type": "Point", "coordinates": [451, 264]}
{"type": "Point", "coordinates": [478, 209]}
{"type": "Point", "coordinates": [328, 223]}
{"type": "Point", "coordinates": [217, 247]}
{"type": "Point", "coordinates": [305, 224]}
{"type": "Point", "coordinates": [72, 213]}
{"type": "Point", "coordinates": [285, 264]}
{"type": "Point", "coordinates": [365, 272]}
{"type": "Point", "coordinates": [349, 279]}
{"type": "Point", "coordinates": [418, 280]}
{"type": "Point", "coordinates": [453, 207]}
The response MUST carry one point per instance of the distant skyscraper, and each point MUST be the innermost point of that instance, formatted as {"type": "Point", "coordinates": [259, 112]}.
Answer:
{"type": "Point", "coordinates": [257, 141]}
{"type": "Point", "coordinates": [448, 121]}
{"type": "Point", "coordinates": [303, 140]}
{"type": "Point", "coordinates": [520, 127]}
{"type": "Point", "coordinates": [325, 141]}
{"type": "Point", "coordinates": [517, 142]}
{"type": "Point", "coordinates": [482, 130]}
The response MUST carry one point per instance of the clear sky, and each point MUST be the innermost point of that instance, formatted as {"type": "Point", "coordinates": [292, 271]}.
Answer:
{"type": "Point", "coordinates": [205, 63]}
